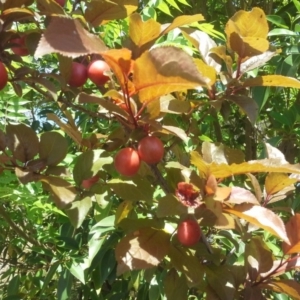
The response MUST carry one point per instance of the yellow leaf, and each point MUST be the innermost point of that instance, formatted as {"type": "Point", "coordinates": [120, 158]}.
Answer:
{"type": "Point", "coordinates": [206, 71]}
{"type": "Point", "coordinates": [251, 24]}
{"type": "Point", "coordinates": [164, 70]}
{"type": "Point", "coordinates": [272, 80]}
{"type": "Point", "coordinates": [123, 210]}
{"type": "Point", "coordinates": [276, 182]}
{"type": "Point", "coordinates": [99, 12]}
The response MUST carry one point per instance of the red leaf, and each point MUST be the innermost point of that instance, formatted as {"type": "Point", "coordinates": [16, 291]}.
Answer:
{"type": "Point", "coordinates": [293, 232]}
{"type": "Point", "coordinates": [72, 41]}
{"type": "Point", "coordinates": [142, 249]}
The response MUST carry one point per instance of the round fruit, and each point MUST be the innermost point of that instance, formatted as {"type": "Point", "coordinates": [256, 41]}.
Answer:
{"type": "Point", "coordinates": [20, 46]}
{"type": "Point", "coordinates": [127, 161]}
{"type": "Point", "coordinates": [96, 71]}
{"type": "Point", "coordinates": [188, 232]}
{"type": "Point", "coordinates": [3, 76]}
{"type": "Point", "coordinates": [88, 183]}
{"type": "Point", "coordinates": [151, 149]}
{"type": "Point", "coordinates": [61, 2]}
{"type": "Point", "coordinates": [78, 75]}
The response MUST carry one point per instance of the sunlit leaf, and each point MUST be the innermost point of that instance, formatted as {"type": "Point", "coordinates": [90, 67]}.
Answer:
{"type": "Point", "coordinates": [73, 41]}
{"type": "Point", "coordinates": [293, 232]}
{"type": "Point", "coordinates": [100, 12]}
{"type": "Point", "coordinates": [169, 104]}
{"type": "Point", "coordinates": [168, 69]}
{"type": "Point", "coordinates": [123, 210]}
{"type": "Point", "coordinates": [138, 250]}
{"type": "Point", "coordinates": [276, 182]}
{"type": "Point", "coordinates": [272, 80]}
{"type": "Point", "coordinates": [183, 20]}
{"type": "Point", "coordinates": [175, 131]}
{"type": "Point", "coordinates": [53, 148]}
{"type": "Point", "coordinates": [78, 211]}
{"type": "Point", "coordinates": [170, 206]}
{"type": "Point", "coordinates": [261, 217]}
{"type": "Point", "coordinates": [62, 191]}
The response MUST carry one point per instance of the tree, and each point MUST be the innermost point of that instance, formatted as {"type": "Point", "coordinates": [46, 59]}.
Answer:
{"type": "Point", "coordinates": [95, 214]}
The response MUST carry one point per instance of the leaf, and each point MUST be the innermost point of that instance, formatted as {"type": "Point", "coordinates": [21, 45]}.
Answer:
{"type": "Point", "coordinates": [204, 43]}
{"type": "Point", "coordinates": [49, 7]}
{"type": "Point", "coordinates": [170, 206]}
{"type": "Point", "coordinates": [120, 62]}
{"type": "Point", "coordinates": [213, 153]}
{"type": "Point", "coordinates": [123, 211]}
{"type": "Point", "coordinates": [252, 23]}
{"type": "Point", "coordinates": [73, 41]}
{"type": "Point", "coordinates": [168, 69]}
{"type": "Point", "coordinates": [78, 210]}
{"type": "Point", "coordinates": [64, 285]}
{"type": "Point", "coordinates": [169, 104]}
{"type": "Point", "coordinates": [139, 250]}
{"type": "Point", "coordinates": [71, 131]}
{"type": "Point", "coordinates": [286, 286]}
{"type": "Point", "coordinates": [22, 141]}
{"type": "Point", "coordinates": [100, 12]}
{"type": "Point", "coordinates": [261, 217]}
{"type": "Point", "coordinates": [293, 232]}
{"type": "Point", "coordinates": [187, 263]}
{"type": "Point", "coordinates": [62, 191]}
{"type": "Point", "coordinates": [247, 105]}
{"type": "Point", "coordinates": [220, 279]}
{"type": "Point", "coordinates": [175, 286]}
{"type": "Point", "coordinates": [256, 61]}
{"type": "Point", "coordinates": [175, 131]}
{"type": "Point", "coordinates": [244, 46]}
{"type": "Point", "coordinates": [272, 80]}
{"type": "Point", "coordinates": [183, 20]}
{"type": "Point", "coordinates": [53, 148]}
{"type": "Point", "coordinates": [88, 164]}
{"type": "Point", "coordinates": [275, 182]}
{"type": "Point", "coordinates": [220, 51]}
{"type": "Point", "coordinates": [142, 34]}
{"type": "Point", "coordinates": [258, 258]}
{"type": "Point", "coordinates": [25, 176]}
{"type": "Point", "coordinates": [133, 190]}
{"type": "Point", "coordinates": [240, 195]}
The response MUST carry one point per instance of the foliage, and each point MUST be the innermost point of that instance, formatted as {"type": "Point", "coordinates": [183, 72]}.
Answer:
{"type": "Point", "coordinates": [222, 100]}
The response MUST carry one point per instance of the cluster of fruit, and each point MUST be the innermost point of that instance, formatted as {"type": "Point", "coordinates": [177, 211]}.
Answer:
{"type": "Point", "coordinates": [128, 160]}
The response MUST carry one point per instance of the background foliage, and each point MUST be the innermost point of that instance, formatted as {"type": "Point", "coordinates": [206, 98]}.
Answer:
{"type": "Point", "coordinates": [226, 107]}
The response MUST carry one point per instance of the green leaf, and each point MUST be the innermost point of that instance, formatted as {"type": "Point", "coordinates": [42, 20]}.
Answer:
{"type": "Point", "coordinates": [77, 270]}
{"type": "Point", "coordinates": [53, 148]}
{"type": "Point", "coordinates": [170, 206]}
{"type": "Point", "coordinates": [277, 20]}
{"type": "Point", "coordinates": [280, 31]}
{"type": "Point", "coordinates": [64, 285]}
{"type": "Point", "coordinates": [13, 286]}
{"type": "Point", "coordinates": [49, 275]}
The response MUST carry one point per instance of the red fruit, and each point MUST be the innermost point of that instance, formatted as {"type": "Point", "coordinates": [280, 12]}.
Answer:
{"type": "Point", "coordinates": [96, 71]}
{"type": "Point", "coordinates": [151, 149]}
{"type": "Point", "coordinates": [127, 161]}
{"type": "Point", "coordinates": [61, 2]}
{"type": "Point", "coordinates": [188, 232]}
{"type": "Point", "coordinates": [3, 76]}
{"type": "Point", "coordinates": [88, 183]}
{"type": "Point", "coordinates": [78, 75]}
{"type": "Point", "coordinates": [20, 46]}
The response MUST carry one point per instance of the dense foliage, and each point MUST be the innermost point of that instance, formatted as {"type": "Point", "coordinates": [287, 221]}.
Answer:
{"type": "Point", "coordinates": [149, 149]}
